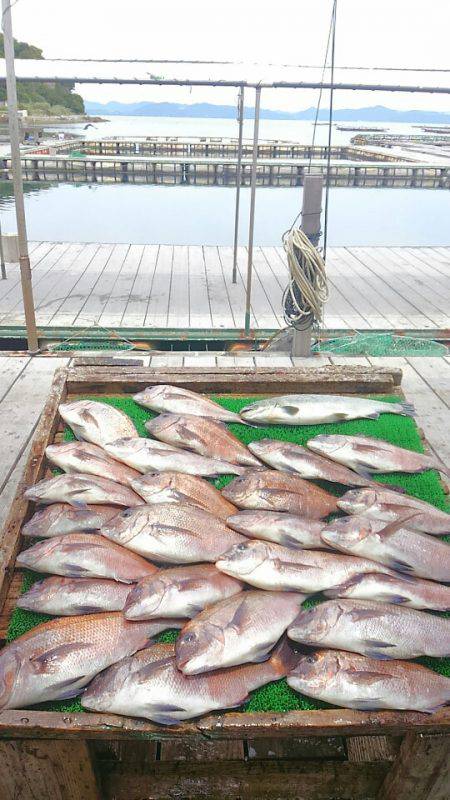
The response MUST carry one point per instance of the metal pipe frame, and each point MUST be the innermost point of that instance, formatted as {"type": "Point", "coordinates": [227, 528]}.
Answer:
{"type": "Point", "coordinates": [357, 87]}
{"type": "Point", "coordinates": [251, 227]}
{"type": "Point", "coordinates": [238, 180]}
{"type": "Point", "coordinates": [16, 166]}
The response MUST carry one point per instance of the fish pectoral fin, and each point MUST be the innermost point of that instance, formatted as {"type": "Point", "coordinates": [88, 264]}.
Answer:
{"type": "Point", "coordinates": [289, 541]}
{"type": "Point", "coordinates": [70, 688]}
{"type": "Point", "coordinates": [291, 411]}
{"type": "Point", "coordinates": [359, 614]}
{"type": "Point", "coordinates": [400, 566]}
{"type": "Point", "coordinates": [364, 678]}
{"type": "Point", "coordinates": [374, 415]}
{"type": "Point", "coordinates": [378, 644]}
{"type": "Point", "coordinates": [397, 599]}
{"type": "Point", "coordinates": [144, 673]}
{"type": "Point", "coordinates": [161, 719]}
{"type": "Point", "coordinates": [164, 708]}
{"type": "Point", "coordinates": [362, 469]}
{"type": "Point", "coordinates": [366, 703]}
{"type": "Point", "coordinates": [80, 609]}
{"type": "Point", "coordinates": [89, 418]}
{"type": "Point", "coordinates": [159, 531]}
{"type": "Point", "coordinates": [241, 617]}
{"type": "Point", "coordinates": [192, 610]}
{"type": "Point", "coordinates": [286, 566]}
{"type": "Point", "coordinates": [191, 584]}
{"type": "Point", "coordinates": [76, 570]}
{"type": "Point", "coordinates": [49, 661]}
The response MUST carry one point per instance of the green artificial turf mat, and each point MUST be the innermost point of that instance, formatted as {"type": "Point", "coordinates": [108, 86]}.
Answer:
{"type": "Point", "coordinates": [400, 430]}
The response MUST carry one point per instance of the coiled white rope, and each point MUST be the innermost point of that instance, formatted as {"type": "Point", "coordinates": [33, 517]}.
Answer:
{"type": "Point", "coordinates": [304, 297]}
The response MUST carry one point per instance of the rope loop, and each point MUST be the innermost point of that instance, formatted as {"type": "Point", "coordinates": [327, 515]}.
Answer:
{"type": "Point", "coordinates": [307, 291]}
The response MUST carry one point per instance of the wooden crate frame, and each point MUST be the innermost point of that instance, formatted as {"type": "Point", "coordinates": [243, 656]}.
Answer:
{"type": "Point", "coordinates": [28, 738]}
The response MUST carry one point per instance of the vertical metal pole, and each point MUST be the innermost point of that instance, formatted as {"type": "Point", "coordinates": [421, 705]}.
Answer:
{"type": "Point", "coordinates": [252, 208]}
{"type": "Point", "coordinates": [24, 260]}
{"type": "Point", "coordinates": [2, 256]}
{"type": "Point", "coordinates": [238, 180]}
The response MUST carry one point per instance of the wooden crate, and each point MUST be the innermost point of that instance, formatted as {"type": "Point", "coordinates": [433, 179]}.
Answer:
{"type": "Point", "coordinates": [316, 755]}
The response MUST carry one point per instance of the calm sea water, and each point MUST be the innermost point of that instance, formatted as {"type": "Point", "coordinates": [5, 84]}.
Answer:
{"type": "Point", "coordinates": [205, 215]}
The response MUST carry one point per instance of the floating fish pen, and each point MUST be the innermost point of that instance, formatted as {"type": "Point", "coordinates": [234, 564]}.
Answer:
{"type": "Point", "coordinates": [196, 171]}
{"type": "Point", "coordinates": [276, 746]}
{"type": "Point", "coordinates": [398, 139]}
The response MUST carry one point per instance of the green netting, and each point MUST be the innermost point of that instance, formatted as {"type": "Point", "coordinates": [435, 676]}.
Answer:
{"type": "Point", "coordinates": [381, 344]}
{"type": "Point", "coordinates": [277, 696]}
{"type": "Point", "coordinates": [92, 344]}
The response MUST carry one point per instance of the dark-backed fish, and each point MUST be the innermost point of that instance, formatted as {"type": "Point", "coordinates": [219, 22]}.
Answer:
{"type": "Point", "coordinates": [286, 529]}
{"type": "Point", "coordinates": [355, 681]}
{"type": "Point", "coordinates": [377, 630]}
{"type": "Point", "coordinates": [270, 566]}
{"type": "Point", "coordinates": [207, 437]}
{"type": "Point", "coordinates": [179, 592]}
{"type": "Point", "coordinates": [385, 504]}
{"type": "Point", "coordinates": [81, 490]}
{"type": "Point", "coordinates": [315, 409]}
{"type": "Point", "coordinates": [367, 455]}
{"type": "Point", "coordinates": [178, 487]}
{"type": "Point", "coordinates": [176, 400]}
{"type": "Point", "coordinates": [240, 629]}
{"type": "Point", "coordinates": [69, 596]}
{"type": "Point", "coordinates": [61, 518]}
{"type": "Point", "coordinates": [398, 589]}
{"type": "Point", "coordinates": [291, 457]}
{"type": "Point", "coordinates": [149, 455]}
{"type": "Point", "coordinates": [96, 422]}
{"type": "Point", "coordinates": [270, 490]}
{"type": "Point", "coordinates": [149, 685]}
{"type": "Point", "coordinates": [84, 555]}
{"type": "Point", "coordinates": [394, 545]}
{"type": "Point", "coordinates": [176, 533]}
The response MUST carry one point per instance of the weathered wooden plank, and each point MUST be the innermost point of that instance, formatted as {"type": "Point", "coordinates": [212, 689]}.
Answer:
{"type": "Point", "coordinates": [10, 602]}
{"type": "Point", "coordinates": [158, 303]}
{"type": "Point", "coordinates": [372, 748]}
{"type": "Point", "coordinates": [221, 313]}
{"type": "Point", "coordinates": [197, 748]}
{"type": "Point", "coordinates": [436, 373]}
{"type": "Point", "coordinates": [10, 369]}
{"type": "Point", "coordinates": [305, 747]}
{"type": "Point", "coordinates": [331, 380]}
{"type": "Point", "coordinates": [236, 291]}
{"type": "Point", "coordinates": [269, 780]}
{"type": "Point", "coordinates": [36, 769]}
{"type": "Point", "coordinates": [341, 304]}
{"type": "Point", "coordinates": [135, 309]}
{"type": "Point", "coordinates": [199, 306]}
{"type": "Point", "coordinates": [10, 536]}
{"type": "Point", "coordinates": [232, 725]}
{"type": "Point", "coordinates": [96, 303]}
{"type": "Point", "coordinates": [118, 299]}
{"type": "Point", "coordinates": [178, 309]}
{"type": "Point", "coordinates": [80, 291]}
{"type": "Point", "coordinates": [10, 487]}
{"type": "Point", "coordinates": [421, 771]}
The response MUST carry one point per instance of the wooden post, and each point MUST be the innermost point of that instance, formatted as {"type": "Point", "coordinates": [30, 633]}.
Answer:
{"type": "Point", "coordinates": [311, 211]}
{"type": "Point", "coordinates": [251, 229]}
{"type": "Point", "coordinates": [238, 180]}
{"type": "Point", "coordinates": [421, 771]}
{"type": "Point", "coordinates": [24, 259]}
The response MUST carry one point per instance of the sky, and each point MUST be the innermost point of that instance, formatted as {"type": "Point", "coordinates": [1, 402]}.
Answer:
{"type": "Point", "coordinates": [370, 33]}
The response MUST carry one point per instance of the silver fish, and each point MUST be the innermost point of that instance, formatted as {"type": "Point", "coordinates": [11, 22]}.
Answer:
{"type": "Point", "coordinates": [179, 592]}
{"type": "Point", "coordinates": [69, 596]}
{"type": "Point", "coordinates": [84, 555]}
{"type": "Point", "coordinates": [270, 490]}
{"type": "Point", "coordinates": [292, 457]}
{"type": "Point", "coordinates": [288, 530]}
{"type": "Point", "coordinates": [176, 533]}
{"type": "Point", "coordinates": [354, 681]}
{"type": "Point", "coordinates": [398, 589]}
{"type": "Point", "coordinates": [270, 566]}
{"type": "Point", "coordinates": [240, 629]}
{"type": "Point", "coordinates": [175, 400]}
{"type": "Point", "coordinates": [385, 504]}
{"type": "Point", "coordinates": [149, 685]}
{"type": "Point", "coordinates": [61, 518]}
{"type": "Point", "coordinates": [376, 630]}
{"type": "Point", "coordinates": [96, 422]}
{"type": "Point", "coordinates": [89, 459]}
{"type": "Point", "coordinates": [367, 455]}
{"type": "Point", "coordinates": [148, 455]}
{"type": "Point", "coordinates": [178, 487]}
{"type": "Point", "coordinates": [314, 409]}
{"type": "Point", "coordinates": [56, 660]}
{"type": "Point", "coordinates": [393, 545]}
{"type": "Point", "coordinates": [79, 490]}
{"type": "Point", "coordinates": [207, 437]}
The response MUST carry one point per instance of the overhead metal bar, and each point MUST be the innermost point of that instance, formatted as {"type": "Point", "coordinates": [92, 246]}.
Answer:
{"type": "Point", "coordinates": [16, 167]}
{"type": "Point", "coordinates": [238, 180]}
{"type": "Point", "coordinates": [251, 228]}
{"type": "Point", "coordinates": [357, 87]}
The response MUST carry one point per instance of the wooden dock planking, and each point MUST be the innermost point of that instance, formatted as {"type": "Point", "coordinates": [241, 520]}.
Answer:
{"type": "Point", "coordinates": [166, 286]}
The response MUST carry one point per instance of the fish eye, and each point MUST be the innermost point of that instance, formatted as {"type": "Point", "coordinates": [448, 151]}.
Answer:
{"type": "Point", "coordinates": [310, 659]}
{"type": "Point", "coordinates": [241, 547]}
{"type": "Point", "coordinates": [189, 637]}
{"type": "Point", "coordinates": [127, 513]}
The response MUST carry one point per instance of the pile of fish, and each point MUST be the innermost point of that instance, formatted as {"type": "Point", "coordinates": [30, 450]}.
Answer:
{"type": "Point", "coordinates": [133, 540]}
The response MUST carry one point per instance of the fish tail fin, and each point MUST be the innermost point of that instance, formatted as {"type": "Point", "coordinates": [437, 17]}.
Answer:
{"type": "Point", "coordinates": [407, 409]}
{"type": "Point", "coordinates": [283, 659]}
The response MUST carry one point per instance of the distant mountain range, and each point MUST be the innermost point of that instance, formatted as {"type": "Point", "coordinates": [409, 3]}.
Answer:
{"type": "Point", "coordinates": [370, 114]}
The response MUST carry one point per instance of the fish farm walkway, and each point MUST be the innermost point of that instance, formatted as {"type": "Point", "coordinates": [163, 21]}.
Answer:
{"type": "Point", "coordinates": [25, 383]}
{"type": "Point", "coordinates": [149, 288]}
